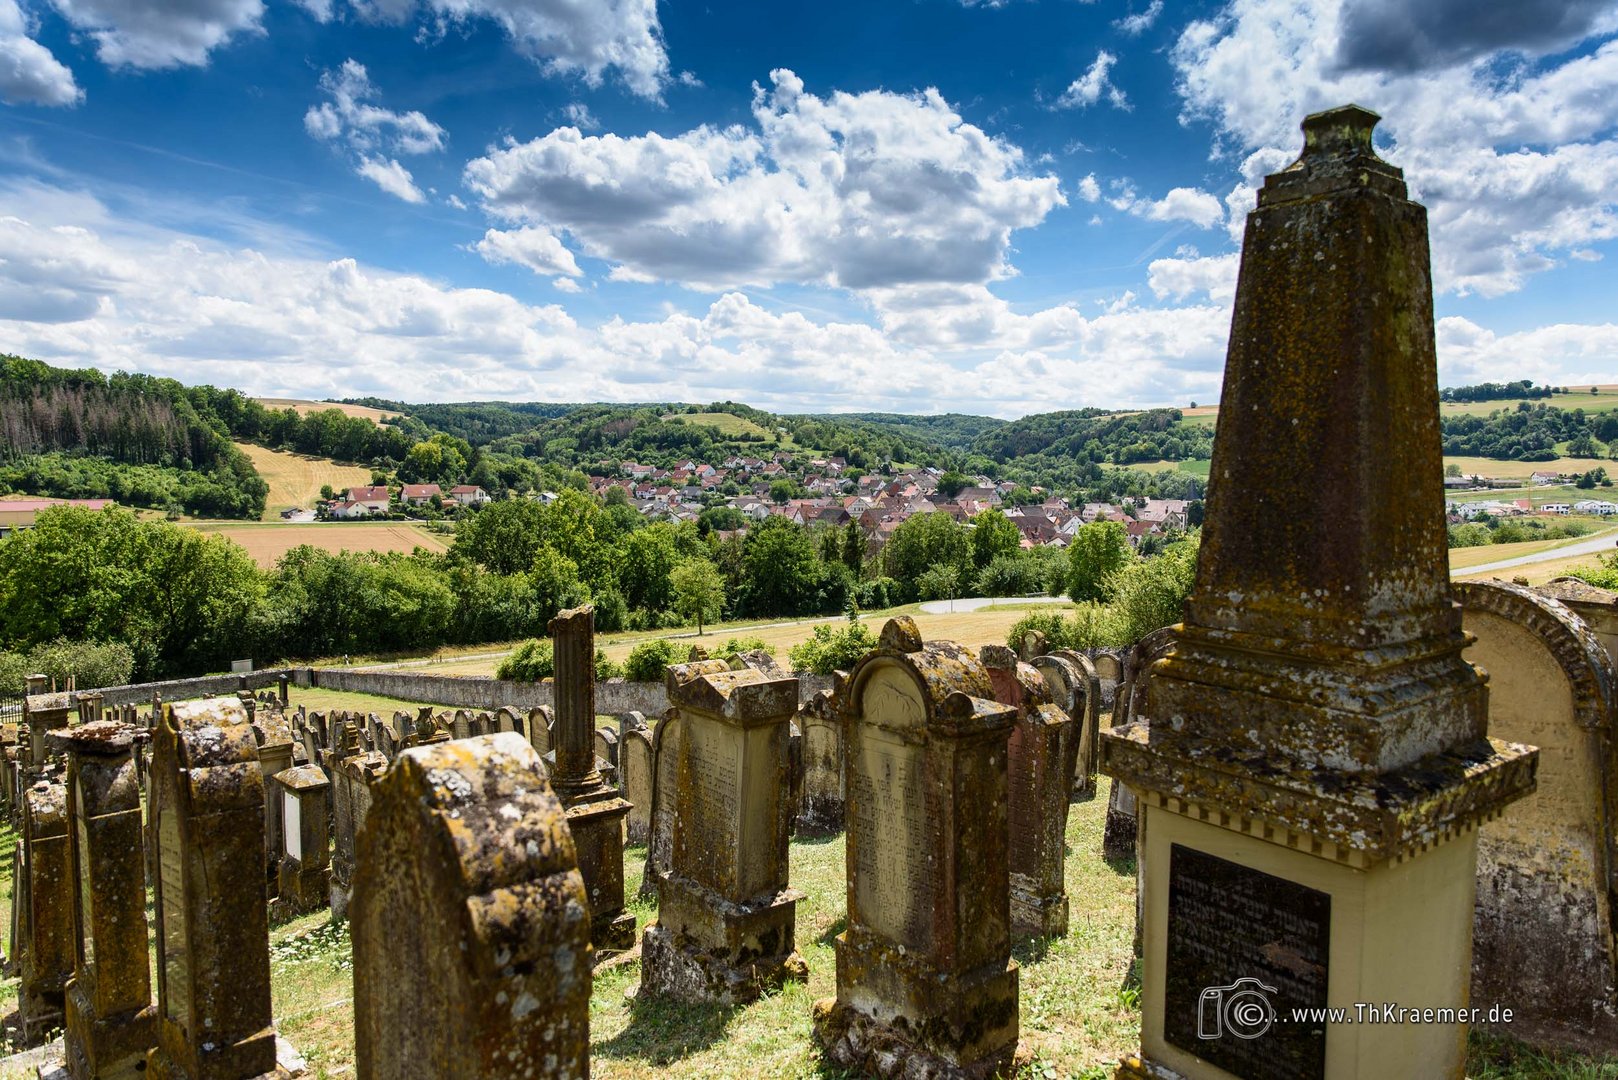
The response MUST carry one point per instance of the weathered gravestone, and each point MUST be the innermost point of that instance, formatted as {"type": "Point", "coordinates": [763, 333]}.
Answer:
{"type": "Point", "coordinates": [352, 779]}
{"type": "Point", "coordinates": [274, 737]}
{"type": "Point", "coordinates": [304, 794]}
{"type": "Point", "coordinates": [470, 924]}
{"type": "Point", "coordinates": [539, 729]}
{"type": "Point", "coordinates": [213, 949]}
{"type": "Point", "coordinates": [1118, 838]}
{"type": "Point", "coordinates": [667, 746]}
{"type": "Point", "coordinates": [820, 811]}
{"type": "Point", "coordinates": [1310, 761]}
{"type": "Point", "coordinates": [595, 813]}
{"type": "Point", "coordinates": [1039, 769]}
{"type": "Point", "coordinates": [606, 746]}
{"type": "Point", "coordinates": [47, 948]}
{"type": "Point", "coordinates": [635, 776]}
{"type": "Point", "coordinates": [111, 1021]}
{"type": "Point", "coordinates": [725, 928]}
{"type": "Point", "coordinates": [1076, 688]}
{"type": "Point", "coordinates": [925, 981]}
{"type": "Point", "coordinates": [1548, 867]}
{"type": "Point", "coordinates": [44, 713]}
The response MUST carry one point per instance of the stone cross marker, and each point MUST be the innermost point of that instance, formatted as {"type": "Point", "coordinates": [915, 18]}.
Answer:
{"type": "Point", "coordinates": [595, 813]}
{"type": "Point", "coordinates": [470, 923]}
{"type": "Point", "coordinates": [213, 951]}
{"type": "Point", "coordinates": [111, 1022]}
{"type": "Point", "coordinates": [1310, 760]}
{"type": "Point", "coordinates": [925, 981]}
{"type": "Point", "coordinates": [45, 909]}
{"type": "Point", "coordinates": [725, 921]}
{"type": "Point", "coordinates": [1039, 767]}
{"type": "Point", "coordinates": [1546, 940]}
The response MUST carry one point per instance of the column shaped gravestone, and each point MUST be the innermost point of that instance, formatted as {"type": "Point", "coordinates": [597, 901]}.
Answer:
{"type": "Point", "coordinates": [821, 809]}
{"type": "Point", "coordinates": [46, 905]}
{"type": "Point", "coordinates": [725, 928]}
{"type": "Point", "coordinates": [213, 952]}
{"type": "Point", "coordinates": [305, 869]}
{"type": "Point", "coordinates": [467, 895]}
{"type": "Point", "coordinates": [110, 1018]}
{"type": "Point", "coordinates": [1311, 760]}
{"type": "Point", "coordinates": [595, 813]}
{"type": "Point", "coordinates": [925, 981]}
{"type": "Point", "coordinates": [1546, 931]}
{"type": "Point", "coordinates": [1039, 772]}
{"type": "Point", "coordinates": [44, 713]}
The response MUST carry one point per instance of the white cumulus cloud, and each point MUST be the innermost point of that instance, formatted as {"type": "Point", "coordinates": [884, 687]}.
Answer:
{"type": "Point", "coordinates": [858, 191]}
{"type": "Point", "coordinates": [1517, 163]}
{"type": "Point", "coordinates": [29, 74]}
{"type": "Point", "coordinates": [584, 38]}
{"type": "Point", "coordinates": [535, 247]}
{"type": "Point", "coordinates": [370, 133]}
{"type": "Point", "coordinates": [1141, 21]}
{"type": "Point", "coordinates": [155, 34]}
{"type": "Point", "coordinates": [1096, 81]}
{"type": "Point", "coordinates": [1191, 205]}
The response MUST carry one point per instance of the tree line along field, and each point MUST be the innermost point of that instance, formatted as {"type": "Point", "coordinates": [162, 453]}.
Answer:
{"type": "Point", "coordinates": [364, 412]}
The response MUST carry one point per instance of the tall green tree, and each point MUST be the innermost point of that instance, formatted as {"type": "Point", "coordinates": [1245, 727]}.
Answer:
{"type": "Point", "coordinates": [699, 591]}
{"type": "Point", "coordinates": [923, 541]}
{"type": "Point", "coordinates": [1099, 550]}
{"type": "Point", "coordinates": [993, 534]}
{"type": "Point", "coordinates": [648, 556]}
{"type": "Point", "coordinates": [781, 572]}
{"type": "Point", "coordinates": [503, 537]}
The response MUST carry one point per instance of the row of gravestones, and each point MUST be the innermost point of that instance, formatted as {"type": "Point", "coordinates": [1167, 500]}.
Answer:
{"type": "Point", "coordinates": [1546, 915]}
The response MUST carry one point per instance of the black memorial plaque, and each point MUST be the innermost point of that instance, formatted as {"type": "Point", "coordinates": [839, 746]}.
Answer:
{"type": "Point", "coordinates": [1245, 949]}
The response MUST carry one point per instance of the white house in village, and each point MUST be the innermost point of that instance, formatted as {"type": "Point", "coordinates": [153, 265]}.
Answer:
{"type": "Point", "coordinates": [469, 495]}
{"type": "Point", "coordinates": [1556, 508]}
{"type": "Point", "coordinates": [1599, 507]}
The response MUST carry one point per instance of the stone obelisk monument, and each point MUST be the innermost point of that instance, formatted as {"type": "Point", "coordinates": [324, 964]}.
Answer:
{"type": "Point", "coordinates": [1311, 761]}
{"type": "Point", "coordinates": [595, 813]}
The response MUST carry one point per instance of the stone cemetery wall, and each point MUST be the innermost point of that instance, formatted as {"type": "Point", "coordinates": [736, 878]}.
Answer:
{"type": "Point", "coordinates": [1547, 878]}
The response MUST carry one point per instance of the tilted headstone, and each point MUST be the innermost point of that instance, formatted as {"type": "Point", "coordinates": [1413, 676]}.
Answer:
{"type": "Point", "coordinates": [352, 780]}
{"type": "Point", "coordinates": [111, 1020]}
{"type": "Point", "coordinates": [820, 810]}
{"type": "Point", "coordinates": [925, 981]}
{"type": "Point", "coordinates": [667, 743]}
{"type": "Point", "coordinates": [539, 729]}
{"type": "Point", "coordinates": [305, 869]}
{"type": "Point", "coordinates": [470, 924]}
{"type": "Point", "coordinates": [1076, 688]}
{"type": "Point", "coordinates": [606, 746]}
{"type": "Point", "coordinates": [635, 778]}
{"type": "Point", "coordinates": [46, 923]}
{"type": "Point", "coordinates": [726, 917]}
{"type": "Point", "coordinates": [595, 813]}
{"type": "Point", "coordinates": [213, 950]}
{"type": "Point", "coordinates": [1039, 771]}
{"type": "Point", "coordinates": [1544, 939]}
{"type": "Point", "coordinates": [1311, 761]}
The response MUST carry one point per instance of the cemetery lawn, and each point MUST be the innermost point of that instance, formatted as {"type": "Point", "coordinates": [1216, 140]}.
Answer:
{"type": "Point", "coordinates": [1079, 995]}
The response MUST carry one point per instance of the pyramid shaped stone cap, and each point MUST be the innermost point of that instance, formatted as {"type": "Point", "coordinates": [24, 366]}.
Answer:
{"type": "Point", "coordinates": [1337, 153]}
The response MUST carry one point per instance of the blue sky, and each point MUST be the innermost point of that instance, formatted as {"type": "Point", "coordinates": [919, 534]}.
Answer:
{"type": "Point", "coordinates": [917, 205]}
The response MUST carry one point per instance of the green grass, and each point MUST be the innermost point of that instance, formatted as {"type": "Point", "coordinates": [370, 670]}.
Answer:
{"type": "Point", "coordinates": [1194, 468]}
{"type": "Point", "coordinates": [1079, 996]}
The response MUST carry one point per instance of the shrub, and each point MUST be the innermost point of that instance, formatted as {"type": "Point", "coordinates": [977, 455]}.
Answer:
{"type": "Point", "coordinates": [1151, 594]}
{"type": "Point", "coordinates": [612, 610]}
{"type": "Point", "coordinates": [832, 649]}
{"type": "Point", "coordinates": [606, 669]}
{"type": "Point", "coordinates": [1470, 535]}
{"type": "Point", "coordinates": [650, 659]}
{"type": "Point", "coordinates": [531, 661]}
{"type": "Point", "coordinates": [1057, 630]}
{"type": "Point", "coordinates": [876, 594]}
{"type": "Point", "coordinates": [1604, 575]}
{"type": "Point", "coordinates": [90, 663]}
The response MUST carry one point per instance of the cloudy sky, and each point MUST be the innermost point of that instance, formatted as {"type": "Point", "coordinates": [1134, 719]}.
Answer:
{"type": "Point", "coordinates": [993, 206]}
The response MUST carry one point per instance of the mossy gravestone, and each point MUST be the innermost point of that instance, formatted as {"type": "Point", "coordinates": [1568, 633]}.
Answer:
{"type": "Point", "coordinates": [470, 925]}
{"type": "Point", "coordinates": [726, 918]}
{"type": "Point", "coordinates": [111, 1021]}
{"type": "Point", "coordinates": [45, 923]}
{"type": "Point", "coordinates": [213, 947]}
{"type": "Point", "coordinates": [925, 981]}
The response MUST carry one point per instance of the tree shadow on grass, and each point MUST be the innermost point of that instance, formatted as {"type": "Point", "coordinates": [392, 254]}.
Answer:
{"type": "Point", "coordinates": [829, 935]}
{"type": "Point", "coordinates": [662, 1030]}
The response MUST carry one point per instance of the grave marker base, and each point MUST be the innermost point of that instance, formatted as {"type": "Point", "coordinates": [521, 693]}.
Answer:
{"type": "Point", "coordinates": [758, 954]}
{"type": "Point", "coordinates": [110, 1047]}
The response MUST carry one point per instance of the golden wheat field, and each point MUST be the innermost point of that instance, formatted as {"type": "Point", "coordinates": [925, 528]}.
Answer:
{"type": "Point", "coordinates": [295, 479]}
{"type": "Point", "coordinates": [376, 416]}
{"type": "Point", "coordinates": [267, 542]}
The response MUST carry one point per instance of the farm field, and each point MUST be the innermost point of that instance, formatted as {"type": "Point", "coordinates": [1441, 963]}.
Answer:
{"type": "Point", "coordinates": [1194, 468]}
{"type": "Point", "coordinates": [1509, 470]}
{"type": "Point", "coordinates": [295, 479]}
{"type": "Point", "coordinates": [304, 407]}
{"type": "Point", "coordinates": [1603, 401]}
{"type": "Point", "coordinates": [727, 423]}
{"type": "Point", "coordinates": [266, 542]}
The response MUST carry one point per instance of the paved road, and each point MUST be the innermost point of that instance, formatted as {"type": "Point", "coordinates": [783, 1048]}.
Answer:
{"type": "Point", "coordinates": [1601, 542]}
{"type": "Point", "coordinates": [975, 603]}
